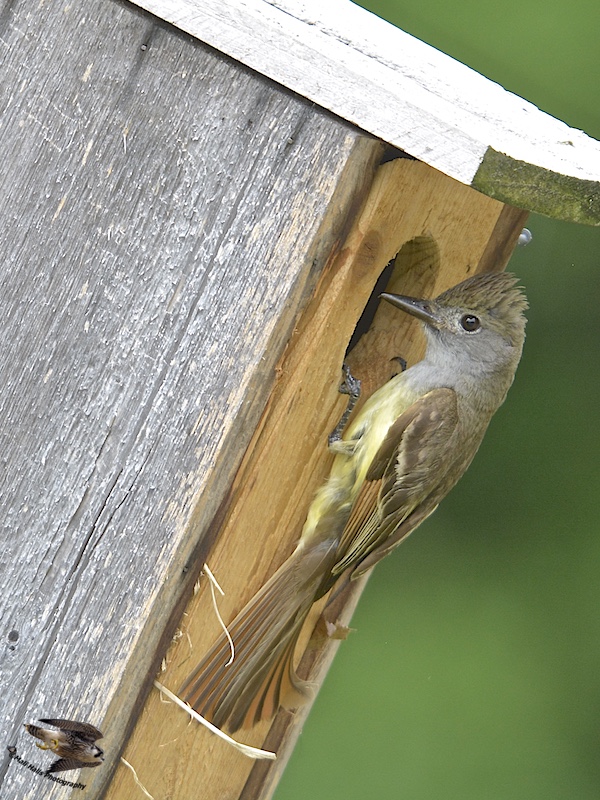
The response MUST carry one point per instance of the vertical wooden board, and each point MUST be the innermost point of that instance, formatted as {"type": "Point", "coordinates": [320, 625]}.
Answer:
{"type": "Point", "coordinates": [164, 214]}
{"type": "Point", "coordinates": [287, 458]}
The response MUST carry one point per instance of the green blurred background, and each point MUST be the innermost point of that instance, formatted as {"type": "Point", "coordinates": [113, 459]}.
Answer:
{"type": "Point", "coordinates": [475, 669]}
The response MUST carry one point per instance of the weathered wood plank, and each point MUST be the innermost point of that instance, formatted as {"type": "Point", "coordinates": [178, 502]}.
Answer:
{"type": "Point", "coordinates": [408, 94]}
{"type": "Point", "coordinates": [165, 214]}
{"type": "Point", "coordinates": [459, 231]}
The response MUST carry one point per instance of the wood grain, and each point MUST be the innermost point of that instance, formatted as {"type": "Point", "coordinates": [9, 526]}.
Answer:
{"type": "Point", "coordinates": [165, 215]}
{"type": "Point", "coordinates": [419, 99]}
{"type": "Point", "coordinates": [452, 227]}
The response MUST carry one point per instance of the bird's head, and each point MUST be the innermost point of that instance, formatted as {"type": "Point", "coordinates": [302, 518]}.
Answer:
{"type": "Point", "coordinates": [479, 323]}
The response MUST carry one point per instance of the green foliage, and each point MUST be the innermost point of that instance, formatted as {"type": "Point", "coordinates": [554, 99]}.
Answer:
{"type": "Point", "coordinates": [473, 674]}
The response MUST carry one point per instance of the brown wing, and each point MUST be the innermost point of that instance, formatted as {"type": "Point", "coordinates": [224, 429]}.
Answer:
{"type": "Point", "coordinates": [399, 491]}
{"type": "Point", "coordinates": [64, 764]}
{"type": "Point", "coordinates": [84, 729]}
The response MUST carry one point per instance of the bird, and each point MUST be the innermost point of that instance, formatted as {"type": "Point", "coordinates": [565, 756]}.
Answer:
{"type": "Point", "coordinates": [74, 742]}
{"type": "Point", "coordinates": [407, 447]}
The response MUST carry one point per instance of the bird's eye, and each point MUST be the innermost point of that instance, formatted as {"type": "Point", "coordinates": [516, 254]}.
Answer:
{"type": "Point", "coordinates": [470, 323]}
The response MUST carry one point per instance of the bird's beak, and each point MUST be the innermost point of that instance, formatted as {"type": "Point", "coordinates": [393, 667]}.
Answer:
{"type": "Point", "coordinates": [421, 309]}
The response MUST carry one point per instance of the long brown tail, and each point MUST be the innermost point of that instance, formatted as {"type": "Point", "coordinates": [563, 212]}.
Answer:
{"type": "Point", "coordinates": [262, 676]}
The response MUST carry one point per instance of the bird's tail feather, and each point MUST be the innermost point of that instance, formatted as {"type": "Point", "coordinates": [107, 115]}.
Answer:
{"type": "Point", "coordinates": [261, 676]}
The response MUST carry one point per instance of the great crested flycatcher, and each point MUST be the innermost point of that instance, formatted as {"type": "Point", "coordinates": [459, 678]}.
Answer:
{"type": "Point", "coordinates": [409, 444]}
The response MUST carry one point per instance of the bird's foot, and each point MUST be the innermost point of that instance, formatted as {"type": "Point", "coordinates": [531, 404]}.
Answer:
{"type": "Point", "coordinates": [401, 361]}
{"type": "Point", "coordinates": [350, 386]}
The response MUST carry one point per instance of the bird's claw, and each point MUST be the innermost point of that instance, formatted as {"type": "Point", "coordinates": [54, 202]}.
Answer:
{"type": "Point", "coordinates": [350, 386]}
{"type": "Point", "coordinates": [401, 361]}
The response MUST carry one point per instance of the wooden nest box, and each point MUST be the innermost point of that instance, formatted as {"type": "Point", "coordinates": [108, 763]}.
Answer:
{"type": "Point", "coordinates": [200, 199]}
